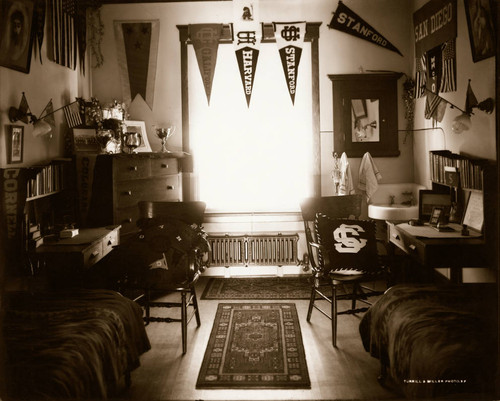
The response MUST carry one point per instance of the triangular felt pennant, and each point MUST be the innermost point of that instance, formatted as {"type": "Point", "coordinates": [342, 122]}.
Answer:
{"type": "Point", "coordinates": [434, 70]}
{"type": "Point", "coordinates": [346, 20]}
{"type": "Point", "coordinates": [470, 99]}
{"type": "Point", "coordinates": [137, 47]}
{"type": "Point", "coordinates": [205, 39]}
{"type": "Point", "coordinates": [290, 39]}
{"type": "Point", "coordinates": [247, 36]}
{"type": "Point", "coordinates": [24, 109]}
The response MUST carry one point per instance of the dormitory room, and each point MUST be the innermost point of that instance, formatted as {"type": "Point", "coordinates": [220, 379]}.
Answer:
{"type": "Point", "coordinates": [249, 200]}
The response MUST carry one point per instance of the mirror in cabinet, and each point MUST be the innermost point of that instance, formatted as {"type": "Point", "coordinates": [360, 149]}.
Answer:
{"type": "Point", "coordinates": [365, 114]}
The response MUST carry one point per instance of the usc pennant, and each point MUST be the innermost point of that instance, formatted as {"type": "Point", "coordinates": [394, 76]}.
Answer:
{"type": "Point", "coordinates": [290, 40]}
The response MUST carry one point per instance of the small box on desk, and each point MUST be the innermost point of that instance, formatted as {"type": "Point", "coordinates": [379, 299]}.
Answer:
{"type": "Point", "coordinates": [69, 233]}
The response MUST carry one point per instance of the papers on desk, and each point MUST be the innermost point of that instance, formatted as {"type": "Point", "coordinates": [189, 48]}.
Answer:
{"type": "Point", "coordinates": [426, 231]}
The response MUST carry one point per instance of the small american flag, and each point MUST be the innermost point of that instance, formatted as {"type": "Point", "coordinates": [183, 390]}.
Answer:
{"type": "Point", "coordinates": [435, 107]}
{"type": "Point", "coordinates": [448, 75]}
{"type": "Point", "coordinates": [72, 114]}
{"type": "Point", "coordinates": [421, 76]}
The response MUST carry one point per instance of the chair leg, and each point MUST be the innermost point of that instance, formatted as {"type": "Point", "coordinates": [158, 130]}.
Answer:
{"type": "Point", "coordinates": [354, 295]}
{"type": "Point", "coordinates": [311, 301]}
{"type": "Point", "coordinates": [334, 314]}
{"type": "Point", "coordinates": [195, 306]}
{"type": "Point", "coordinates": [147, 298]}
{"type": "Point", "coordinates": [184, 321]}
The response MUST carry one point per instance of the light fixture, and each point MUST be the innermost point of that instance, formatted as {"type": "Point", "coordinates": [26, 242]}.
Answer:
{"type": "Point", "coordinates": [40, 126]}
{"type": "Point", "coordinates": [463, 121]}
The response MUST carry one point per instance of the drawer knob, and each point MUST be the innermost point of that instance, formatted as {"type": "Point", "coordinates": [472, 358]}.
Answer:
{"type": "Point", "coordinates": [128, 220]}
{"type": "Point", "coordinates": [396, 236]}
{"type": "Point", "coordinates": [170, 187]}
{"type": "Point", "coordinates": [413, 247]}
{"type": "Point", "coordinates": [129, 192]}
{"type": "Point", "coordinates": [94, 254]}
{"type": "Point", "coordinates": [163, 165]}
{"type": "Point", "coordinates": [111, 242]}
{"type": "Point", "coordinates": [133, 168]}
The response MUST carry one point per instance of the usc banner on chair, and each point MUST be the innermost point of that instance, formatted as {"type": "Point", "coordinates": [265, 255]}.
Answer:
{"type": "Point", "coordinates": [205, 38]}
{"type": "Point", "coordinates": [247, 36]}
{"type": "Point", "coordinates": [290, 40]}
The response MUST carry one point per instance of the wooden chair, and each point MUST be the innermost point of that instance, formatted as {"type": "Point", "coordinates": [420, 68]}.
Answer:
{"type": "Point", "coordinates": [342, 252]}
{"type": "Point", "coordinates": [166, 256]}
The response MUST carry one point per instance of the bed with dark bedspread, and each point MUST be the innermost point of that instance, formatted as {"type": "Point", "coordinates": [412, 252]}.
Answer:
{"type": "Point", "coordinates": [73, 344]}
{"type": "Point", "coordinates": [434, 341]}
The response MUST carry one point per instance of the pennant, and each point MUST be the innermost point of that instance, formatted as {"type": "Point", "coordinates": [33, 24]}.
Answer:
{"type": "Point", "coordinates": [39, 26]}
{"type": "Point", "coordinates": [470, 99]}
{"type": "Point", "coordinates": [24, 109]}
{"type": "Point", "coordinates": [48, 114]}
{"type": "Point", "coordinates": [205, 38]}
{"type": "Point", "coordinates": [346, 20]}
{"type": "Point", "coordinates": [290, 40]}
{"type": "Point", "coordinates": [72, 114]}
{"type": "Point", "coordinates": [247, 39]}
{"type": "Point", "coordinates": [434, 69]}
{"type": "Point", "coordinates": [448, 67]}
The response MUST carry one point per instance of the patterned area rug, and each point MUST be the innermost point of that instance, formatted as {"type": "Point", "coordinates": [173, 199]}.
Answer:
{"type": "Point", "coordinates": [258, 288]}
{"type": "Point", "coordinates": [255, 346]}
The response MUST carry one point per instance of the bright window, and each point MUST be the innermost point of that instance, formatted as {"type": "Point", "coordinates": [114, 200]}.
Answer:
{"type": "Point", "coordinates": [255, 158]}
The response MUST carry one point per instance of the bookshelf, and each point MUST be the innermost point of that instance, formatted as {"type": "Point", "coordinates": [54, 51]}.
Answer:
{"type": "Point", "coordinates": [35, 200]}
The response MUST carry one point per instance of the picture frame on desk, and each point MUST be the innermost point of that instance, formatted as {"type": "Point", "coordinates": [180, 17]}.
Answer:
{"type": "Point", "coordinates": [15, 144]}
{"type": "Point", "coordinates": [84, 140]}
{"type": "Point", "coordinates": [140, 128]}
{"type": "Point", "coordinates": [474, 211]}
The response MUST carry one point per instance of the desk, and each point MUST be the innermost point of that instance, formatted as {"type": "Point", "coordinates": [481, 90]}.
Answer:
{"type": "Point", "coordinates": [66, 260]}
{"type": "Point", "coordinates": [453, 252]}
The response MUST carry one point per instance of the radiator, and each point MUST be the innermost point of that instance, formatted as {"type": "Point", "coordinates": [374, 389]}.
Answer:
{"type": "Point", "coordinates": [259, 250]}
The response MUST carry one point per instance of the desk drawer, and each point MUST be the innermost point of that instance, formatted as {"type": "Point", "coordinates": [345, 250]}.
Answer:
{"type": "Point", "coordinates": [92, 255]}
{"type": "Point", "coordinates": [164, 167]}
{"type": "Point", "coordinates": [129, 193]}
{"type": "Point", "coordinates": [131, 168]}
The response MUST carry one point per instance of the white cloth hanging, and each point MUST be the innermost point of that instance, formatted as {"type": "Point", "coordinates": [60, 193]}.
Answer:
{"type": "Point", "coordinates": [346, 186]}
{"type": "Point", "coordinates": [369, 176]}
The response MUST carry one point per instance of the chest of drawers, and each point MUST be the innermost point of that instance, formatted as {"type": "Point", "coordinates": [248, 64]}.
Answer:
{"type": "Point", "coordinates": [121, 181]}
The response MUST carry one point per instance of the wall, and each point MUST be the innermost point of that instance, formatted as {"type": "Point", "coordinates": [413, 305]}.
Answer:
{"type": "Point", "coordinates": [339, 53]}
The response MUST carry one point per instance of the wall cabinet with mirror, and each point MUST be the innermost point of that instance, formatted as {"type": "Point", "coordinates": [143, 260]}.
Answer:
{"type": "Point", "coordinates": [365, 114]}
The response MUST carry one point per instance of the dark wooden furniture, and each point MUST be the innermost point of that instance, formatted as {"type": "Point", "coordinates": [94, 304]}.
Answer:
{"type": "Point", "coordinates": [121, 181]}
{"type": "Point", "coordinates": [365, 88]}
{"type": "Point", "coordinates": [430, 253]}
{"type": "Point", "coordinates": [327, 263]}
{"type": "Point", "coordinates": [68, 261]}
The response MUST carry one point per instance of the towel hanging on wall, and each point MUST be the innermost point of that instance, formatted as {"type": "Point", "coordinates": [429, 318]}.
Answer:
{"type": "Point", "coordinates": [369, 176]}
{"type": "Point", "coordinates": [346, 186]}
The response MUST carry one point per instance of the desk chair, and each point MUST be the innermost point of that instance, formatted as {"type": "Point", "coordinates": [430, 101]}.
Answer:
{"type": "Point", "coordinates": [342, 252]}
{"type": "Point", "coordinates": [166, 256]}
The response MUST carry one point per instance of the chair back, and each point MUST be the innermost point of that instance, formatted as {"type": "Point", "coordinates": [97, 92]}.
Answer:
{"type": "Point", "coordinates": [345, 206]}
{"type": "Point", "coordinates": [189, 212]}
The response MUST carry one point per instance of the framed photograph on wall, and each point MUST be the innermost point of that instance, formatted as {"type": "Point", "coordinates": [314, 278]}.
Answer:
{"type": "Point", "coordinates": [16, 38]}
{"type": "Point", "coordinates": [15, 144]}
{"type": "Point", "coordinates": [481, 28]}
{"type": "Point", "coordinates": [138, 127]}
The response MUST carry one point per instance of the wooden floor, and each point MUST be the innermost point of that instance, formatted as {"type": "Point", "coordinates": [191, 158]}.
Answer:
{"type": "Point", "coordinates": [347, 372]}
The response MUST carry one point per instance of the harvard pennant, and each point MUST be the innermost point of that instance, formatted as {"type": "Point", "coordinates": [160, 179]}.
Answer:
{"type": "Point", "coordinates": [346, 20]}
{"type": "Point", "coordinates": [290, 40]}
{"type": "Point", "coordinates": [247, 36]}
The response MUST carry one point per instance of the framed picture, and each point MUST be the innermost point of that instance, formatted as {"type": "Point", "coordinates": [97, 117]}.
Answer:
{"type": "Point", "coordinates": [15, 33]}
{"type": "Point", "coordinates": [474, 211]}
{"type": "Point", "coordinates": [436, 214]}
{"type": "Point", "coordinates": [84, 140]}
{"type": "Point", "coordinates": [481, 28]}
{"type": "Point", "coordinates": [138, 127]}
{"type": "Point", "coordinates": [428, 200]}
{"type": "Point", "coordinates": [15, 144]}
